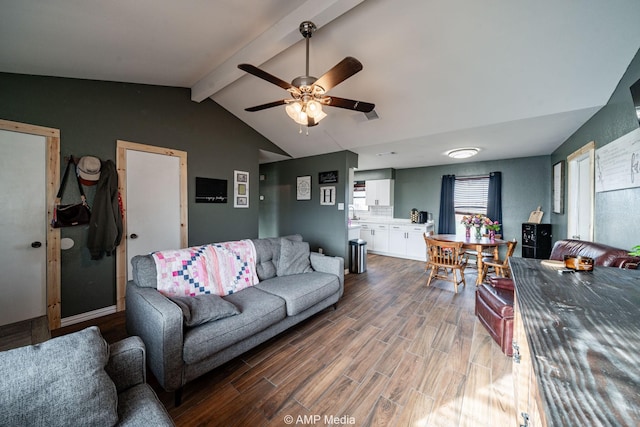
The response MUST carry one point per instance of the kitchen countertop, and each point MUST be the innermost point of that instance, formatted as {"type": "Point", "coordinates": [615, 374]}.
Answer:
{"type": "Point", "coordinates": [399, 221]}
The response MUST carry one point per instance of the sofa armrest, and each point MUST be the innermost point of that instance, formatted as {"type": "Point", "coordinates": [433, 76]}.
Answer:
{"type": "Point", "coordinates": [328, 264]}
{"type": "Point", "coordinates": [159, 322]}
{"type": "Point", "coordinates": [629, 262]}
{"type": "Point", "coordinates": [501, 283]}
{"type": "Point", "coordinates": [126, 365]}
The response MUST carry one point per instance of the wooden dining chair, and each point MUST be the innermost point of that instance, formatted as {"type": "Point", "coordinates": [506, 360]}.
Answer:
{"type": "Point", "coordinates": [488, 252]}
{"type": "Point", "coordinates": [500, 267]}
{"type": "Point", "coordinates": [447, 256]}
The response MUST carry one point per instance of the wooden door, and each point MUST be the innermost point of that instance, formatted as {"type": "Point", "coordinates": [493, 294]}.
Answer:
{"type": "Point", "coordinates": [30, 248]}
{"type": "Point", "coordinates": [153, 186]}
{"type": "Point", "coordinates": [581, 185]}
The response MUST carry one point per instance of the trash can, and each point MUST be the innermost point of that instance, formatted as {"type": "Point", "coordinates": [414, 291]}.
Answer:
{"type": "Point", "coordinates": [357, 256]}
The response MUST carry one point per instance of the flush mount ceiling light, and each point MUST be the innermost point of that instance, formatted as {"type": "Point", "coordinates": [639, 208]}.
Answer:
{"type": "Point", "coordinates": [462, 153]}
{"type": "Point", "coordinates": [308, 94]}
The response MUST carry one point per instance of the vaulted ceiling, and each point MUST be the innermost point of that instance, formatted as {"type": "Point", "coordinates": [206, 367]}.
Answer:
{"type": "Point", "coordinates": [513, 78]}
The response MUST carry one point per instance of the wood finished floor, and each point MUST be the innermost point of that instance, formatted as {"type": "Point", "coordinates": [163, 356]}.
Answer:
{"type": "Point", "coordinates": [394, 353]}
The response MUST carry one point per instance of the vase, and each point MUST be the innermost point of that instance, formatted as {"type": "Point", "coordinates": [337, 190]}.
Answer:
{"type": "Point", "coordinates": [478, 233]}
{"type": "Point", "coordinates": [492, 236]}
{"type": "Point", "coordinates": [467, 232]}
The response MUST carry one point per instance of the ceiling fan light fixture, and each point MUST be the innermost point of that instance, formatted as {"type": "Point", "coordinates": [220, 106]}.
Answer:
{"type": "Point", "coordinates": [308, 92]}
{"type": "Point", "coordinates": [301, 111]}
{"type": "Point", "coordinates": [462, 153]}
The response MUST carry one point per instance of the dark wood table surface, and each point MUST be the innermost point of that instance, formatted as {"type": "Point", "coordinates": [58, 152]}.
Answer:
{"type": "Point", "coordinates": [583, 330]}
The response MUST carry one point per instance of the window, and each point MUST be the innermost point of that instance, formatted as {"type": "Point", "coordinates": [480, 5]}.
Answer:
{"type": "Point", "coordinates": [470, 197]}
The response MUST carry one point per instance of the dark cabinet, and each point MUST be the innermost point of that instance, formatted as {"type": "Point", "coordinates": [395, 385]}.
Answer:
{"type": "Point", "coordinates": [536, 240]}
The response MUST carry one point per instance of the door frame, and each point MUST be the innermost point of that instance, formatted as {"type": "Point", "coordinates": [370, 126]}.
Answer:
{"type": "Point", "coordinates": [572, 159]}
{"type": "Point", "coordinates": [121, 165]}
{"type": "Point", "coordinates": [52, 174]}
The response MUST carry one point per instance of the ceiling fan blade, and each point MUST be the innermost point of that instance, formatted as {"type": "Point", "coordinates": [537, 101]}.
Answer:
{"type": "Point", "coordinates": [350, 104]}
{"type": "Point", "coordinates": [266, 76]}
{"type": "Point", "coordinates": [339, 73]}
{"type": "Point", "coordinates": [265, 106]}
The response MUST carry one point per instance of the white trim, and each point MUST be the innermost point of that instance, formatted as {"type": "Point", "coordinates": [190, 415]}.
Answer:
{"type": "Point", "coordinates": [89, 315]}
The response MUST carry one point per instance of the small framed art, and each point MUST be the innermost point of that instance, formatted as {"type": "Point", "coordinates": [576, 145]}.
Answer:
{"type": "Point", "coordinates": [240, 189]}
{"type": "Point", "coordinates": [303, 187]}
{"type": "Point", "coordinates": [328, 195]}
{"type": "Point", "coordinates": [330, 177]}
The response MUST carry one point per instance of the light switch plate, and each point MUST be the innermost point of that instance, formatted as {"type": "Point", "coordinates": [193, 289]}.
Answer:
{"type": "Point", "coordinates": [340, 206]}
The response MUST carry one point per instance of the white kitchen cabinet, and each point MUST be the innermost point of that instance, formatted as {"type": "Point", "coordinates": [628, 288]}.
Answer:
{"type": "Point", "coordinates": [407, 241]}
{"type": "Point", "coordinates": [379, 192]}
{"type": "Point", "coordinates": [376, 236]}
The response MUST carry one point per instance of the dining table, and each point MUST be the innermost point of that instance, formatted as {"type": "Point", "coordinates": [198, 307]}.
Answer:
{"type": "Point", "coordinates": [479, 245]}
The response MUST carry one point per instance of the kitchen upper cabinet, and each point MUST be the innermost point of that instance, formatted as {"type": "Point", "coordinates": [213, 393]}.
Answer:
{"type": "Point", "coordinates": [379, 192]}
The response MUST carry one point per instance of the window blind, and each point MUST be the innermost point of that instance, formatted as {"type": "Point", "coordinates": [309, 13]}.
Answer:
{"type": "Point", "coordinates": [471, 195]}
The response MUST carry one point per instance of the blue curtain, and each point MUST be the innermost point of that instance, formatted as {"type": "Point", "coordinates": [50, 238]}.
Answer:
{"type": "Point", "coordinates": [494, 200]}
{"type": "Point", "coordinates": [447, 218]}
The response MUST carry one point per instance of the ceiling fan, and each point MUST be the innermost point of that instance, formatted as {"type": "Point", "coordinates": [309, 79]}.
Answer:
{"type": "Point", "coordinates": [308, 94]}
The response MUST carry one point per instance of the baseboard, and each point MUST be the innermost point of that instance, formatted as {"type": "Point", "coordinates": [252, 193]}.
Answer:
{"type": "Point", "coordinates": [83, 317]}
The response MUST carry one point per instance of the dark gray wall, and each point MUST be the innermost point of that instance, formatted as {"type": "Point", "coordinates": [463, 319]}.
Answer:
{"type": "Point", "coordinates": [525, 186]}
{"type": "Point", "coordinates": [92, 115]}
{"type": "Point", "coordinates": [281, 214]}
{"type": "Point", "coordinates": [616, 212]}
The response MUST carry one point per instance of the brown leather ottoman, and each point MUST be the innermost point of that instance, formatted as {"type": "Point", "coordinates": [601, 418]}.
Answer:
{"type": "Point", "coordinates": [494, 308]}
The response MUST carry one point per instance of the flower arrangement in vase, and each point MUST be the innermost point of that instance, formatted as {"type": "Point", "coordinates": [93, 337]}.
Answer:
{"type": "Point", "coordinates": [492, 227]}
{"type": "Point", "coordinates": [476, 221]}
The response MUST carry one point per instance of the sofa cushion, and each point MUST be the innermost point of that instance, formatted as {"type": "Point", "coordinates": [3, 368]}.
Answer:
{"type": "Point", "coordinates": [301, 291]}
{"type": "Point", "coordinates": [60, 382]}
{"type": "Point", "coordinates": [294, 258]}
{"type": "Point", "coordinates": [200, 309]}
{"type": "Point", "coordinates": [268, 255]}
{"type": "Point", "coordinates": [258, 311]}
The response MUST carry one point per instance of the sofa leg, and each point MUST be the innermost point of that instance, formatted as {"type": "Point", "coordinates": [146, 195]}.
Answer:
{"type": "Point", "coordinates": [177, 397]}
{"type": "Point", "coordinates": [335, 306]}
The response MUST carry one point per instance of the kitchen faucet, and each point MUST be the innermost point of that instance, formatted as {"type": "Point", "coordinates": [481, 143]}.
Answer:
{"type": "Point", "coordinates": [353, 208]}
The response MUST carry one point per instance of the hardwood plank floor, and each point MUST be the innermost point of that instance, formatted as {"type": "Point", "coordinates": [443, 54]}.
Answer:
{"type": "Point", "coordinates": [394, 353]}
{"type": "Point", "coordinates": [26, 332]}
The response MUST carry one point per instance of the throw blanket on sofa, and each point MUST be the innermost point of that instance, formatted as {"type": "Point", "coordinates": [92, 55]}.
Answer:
{"type": "Point", "coordinates": [219, 268]}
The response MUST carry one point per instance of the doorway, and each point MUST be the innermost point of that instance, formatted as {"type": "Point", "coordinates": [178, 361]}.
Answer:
{"type": "Point", "coordinates": [581, 190]}
{"type": "Point", "coordinates": [153, 186]}
{"type": "Point", "coordinates": [34, 246]}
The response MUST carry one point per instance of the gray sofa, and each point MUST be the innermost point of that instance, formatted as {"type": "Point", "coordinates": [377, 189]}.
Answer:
{"type": "Point", "coordinates": [78, 380]}
{"type": "Point", "coordinates": [294, 285]}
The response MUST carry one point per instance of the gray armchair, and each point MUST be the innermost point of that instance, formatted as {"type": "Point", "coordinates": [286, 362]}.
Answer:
{"type": "Point", "coordinates": [78, 379]}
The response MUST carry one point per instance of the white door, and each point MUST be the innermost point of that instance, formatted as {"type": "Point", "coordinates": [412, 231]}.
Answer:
{"type": "Point", "coordinates": [23, 223]}
{"type": "Point", "coordinates": [581, 194]}
{"type": "Point", "coordinates": [153, 203]}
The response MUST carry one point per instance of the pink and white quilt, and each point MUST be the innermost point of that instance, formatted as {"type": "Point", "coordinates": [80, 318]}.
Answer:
{"type": "Point", "coordinates": [219, 268]}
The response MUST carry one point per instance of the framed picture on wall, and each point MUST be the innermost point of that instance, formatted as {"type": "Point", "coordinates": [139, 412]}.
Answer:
{"type": "Point", "coordinates": [328, 195]}
{"type": "Point", "coordinates": [240, 189]}
{"type": "Point", "coordinates": [558, 187]}
{"type": "Point", "coordinates": [330, 177]}
{"type": "Point", "coordinates": [303, 187]}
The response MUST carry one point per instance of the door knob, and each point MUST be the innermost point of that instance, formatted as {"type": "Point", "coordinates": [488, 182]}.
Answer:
{"type": "Point", "coordinates": [36, 244]}
{"type": "Point", "coordinates": [133, 236]}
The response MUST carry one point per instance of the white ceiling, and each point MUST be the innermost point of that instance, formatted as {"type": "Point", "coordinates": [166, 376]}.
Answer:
{"type": "Point", "coordinates": [513, 77]}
